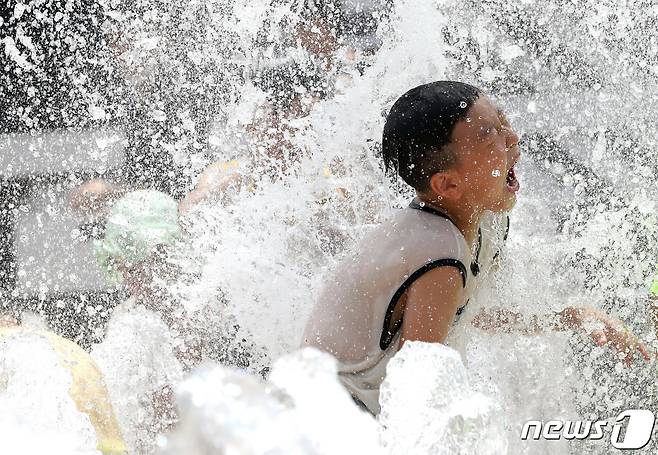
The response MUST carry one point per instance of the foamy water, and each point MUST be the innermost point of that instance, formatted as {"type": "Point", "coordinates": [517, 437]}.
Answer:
{"type": "Point", "coordinates": [46, 421]}
{"type": "Point", "coordinates": [575, 79]}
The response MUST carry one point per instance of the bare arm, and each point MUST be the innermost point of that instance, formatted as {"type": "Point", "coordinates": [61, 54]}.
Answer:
{"type": "Point", "coordinates": [507, 321]}
{"type": "Point", "coordinates": [7, 320]}
{"type": "Point", "coordinates": [213, 183]}
{"type": "Point", "coordinates": [431, 304]}
{"type": "Point", "coordinates": [603, 329]}
{"type": "Point", "coordinates": [95, 197]}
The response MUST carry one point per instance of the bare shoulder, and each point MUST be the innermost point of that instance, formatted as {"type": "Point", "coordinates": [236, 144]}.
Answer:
{"type": "Point", "coordinates": [431, 304]}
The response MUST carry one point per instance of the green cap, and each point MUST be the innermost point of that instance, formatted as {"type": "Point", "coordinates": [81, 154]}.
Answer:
{"type": "Point", "coordinates": [137, 224]}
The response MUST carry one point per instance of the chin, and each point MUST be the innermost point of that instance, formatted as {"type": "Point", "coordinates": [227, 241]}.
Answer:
{"type": "Point", "coordinates": [510, 204]}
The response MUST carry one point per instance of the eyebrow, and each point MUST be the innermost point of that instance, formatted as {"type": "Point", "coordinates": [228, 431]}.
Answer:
{"type": "Point", "coordinates": [481, 134]}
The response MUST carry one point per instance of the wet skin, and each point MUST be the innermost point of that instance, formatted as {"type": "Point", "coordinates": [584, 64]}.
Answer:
{"type": "Point", "coordinates": [486, 148]}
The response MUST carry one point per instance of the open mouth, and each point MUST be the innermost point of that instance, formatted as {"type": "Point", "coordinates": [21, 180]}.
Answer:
{"type": "Point", "coordinates": [512, 182]}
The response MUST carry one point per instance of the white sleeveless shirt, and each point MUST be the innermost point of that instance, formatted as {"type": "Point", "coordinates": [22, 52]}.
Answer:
{"type": "Point", "coordinates": [352, 319]}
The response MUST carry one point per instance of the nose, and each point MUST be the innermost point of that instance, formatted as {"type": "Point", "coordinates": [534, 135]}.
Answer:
{"type": "Point", "coordinates": [512, 142]}
{"type": "Point", "coordinates": [512, 138]}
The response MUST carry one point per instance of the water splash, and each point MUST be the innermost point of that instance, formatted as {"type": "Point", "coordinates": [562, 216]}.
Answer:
{"type": "Point", "coordinates": [584, 232]}
{"type": "Point", "coordinates": [35, 400]}
{"type": "Point", "coordinates": [437, 412]}
{"type": "Point", "coordinates": [302, 409]}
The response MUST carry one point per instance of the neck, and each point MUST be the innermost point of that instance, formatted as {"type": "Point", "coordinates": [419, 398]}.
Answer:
{"type": "Point", "coordinates": [467, 220]}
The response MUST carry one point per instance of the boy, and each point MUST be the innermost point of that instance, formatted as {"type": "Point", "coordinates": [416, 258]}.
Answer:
{"type": "Point", "coordinates": [414, 274]}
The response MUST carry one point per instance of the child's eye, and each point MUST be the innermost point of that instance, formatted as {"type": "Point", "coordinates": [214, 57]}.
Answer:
{"type": "Point", "coordinates": [488, 133]}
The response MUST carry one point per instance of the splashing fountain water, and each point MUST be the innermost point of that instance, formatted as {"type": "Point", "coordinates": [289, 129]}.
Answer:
{"type": "Point", "coordinates": [211, 82]}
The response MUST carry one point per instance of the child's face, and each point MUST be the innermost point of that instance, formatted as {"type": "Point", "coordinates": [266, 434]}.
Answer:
{"type": "Point", "coordinates": [317, 38]}
{"type": "Point", "coordinates": [487, 149]}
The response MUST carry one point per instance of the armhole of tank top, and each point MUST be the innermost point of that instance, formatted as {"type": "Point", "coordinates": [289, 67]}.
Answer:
{"type": "Point", "coordinates": [504, 238]}
{"type": "Point", "coordinates": [388, 335]}
{"type": "Point", "coordinates": [506, 228]}
{"type": "Point", "coordinates": [475, 265]}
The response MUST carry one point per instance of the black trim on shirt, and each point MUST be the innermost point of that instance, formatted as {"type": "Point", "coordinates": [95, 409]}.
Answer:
{"type": "Point", "coordinates": [423, 207]}
{"type": "Point", "coordinates": [475, 265]}
{"type": "Point", "coordinates": [506, 229]}
{"type": "Point", "coordinates": [504, 238]}
{"type": "Point", "coordinates": [388, 335]}
{"type": "Point", "coordinates": [362, 405]}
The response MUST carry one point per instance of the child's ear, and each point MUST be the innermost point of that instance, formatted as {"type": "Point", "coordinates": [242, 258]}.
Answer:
{"type": "Point", "coordinates": [446, 185]}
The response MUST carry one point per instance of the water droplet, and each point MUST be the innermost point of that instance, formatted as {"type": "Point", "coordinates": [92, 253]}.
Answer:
{"type": "Point", "coordinates": [462, 104]}
{"type": "Point", "coordinates": [496, 173]}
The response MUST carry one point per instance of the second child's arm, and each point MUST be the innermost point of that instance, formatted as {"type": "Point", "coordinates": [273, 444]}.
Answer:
{"type": "Point", "coordinates": [602, 328]}
{"type": "Point", "coordinates": [431, 304]}
{"type": "Point", "coordinates": [214, 183]}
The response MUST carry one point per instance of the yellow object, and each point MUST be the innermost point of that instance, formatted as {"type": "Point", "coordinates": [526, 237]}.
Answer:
{"type": "Point", "coordinates": [226, 165]}
{"type": "Point", "coordinates": [326, 171]}
{"type": "Point", "coordinates": [88, 389]}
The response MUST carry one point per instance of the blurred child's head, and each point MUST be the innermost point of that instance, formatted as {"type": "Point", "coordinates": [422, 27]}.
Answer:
{"type": "Point", "coordinates": [140, 227]}
{"type": "Point", "coordinates": [321, 25]}
{"type": "Point", "coordinates": [453, 145]}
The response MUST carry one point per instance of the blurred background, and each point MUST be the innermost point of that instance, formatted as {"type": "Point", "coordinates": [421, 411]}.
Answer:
{"type": "Point", "coordinates": [100, 97]}
{"type": "Point", "coordinates": [114, 95]}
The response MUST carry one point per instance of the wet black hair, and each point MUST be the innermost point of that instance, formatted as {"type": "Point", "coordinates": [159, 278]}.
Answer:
{"type": "Point", "coordinates": [418, 127]}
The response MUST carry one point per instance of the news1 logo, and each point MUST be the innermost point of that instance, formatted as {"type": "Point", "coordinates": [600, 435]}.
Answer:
{"type": "Point", "coordinates": [638, 424]}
